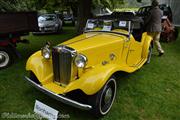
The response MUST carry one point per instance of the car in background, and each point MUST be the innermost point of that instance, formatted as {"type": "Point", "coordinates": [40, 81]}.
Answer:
{"type": "Point", "coordinates": [68, 18]}
{"type": "Point", "coordinates": [49, 23]}
{"type": "Point", "coordinates": [143, 11]}
{"type": "Point", "coordinates": [14, 25]}
{"type": "Point", "coordinates": [169, 32]}
{"type": "Point", "coordinates": [126, 13]}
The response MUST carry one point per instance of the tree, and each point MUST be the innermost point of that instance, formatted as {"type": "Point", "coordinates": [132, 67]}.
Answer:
{"type": "Point", "coordinates": [81, 8]}
{"type": "Point", "coordinates": [21, 5]}
{"type": "Point", "coordinates": [84, 12]}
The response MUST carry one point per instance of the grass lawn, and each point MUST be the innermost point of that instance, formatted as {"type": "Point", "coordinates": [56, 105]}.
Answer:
{"type": "Point", "coordinates": [151, 93]}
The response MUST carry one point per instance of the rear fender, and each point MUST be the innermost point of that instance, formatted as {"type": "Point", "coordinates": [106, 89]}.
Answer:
{"type": "Point", "coordinates": [146, 41]}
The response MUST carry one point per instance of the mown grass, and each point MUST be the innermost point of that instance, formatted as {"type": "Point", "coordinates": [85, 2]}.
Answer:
{"type": "Point", "coordinates": [151, 93]}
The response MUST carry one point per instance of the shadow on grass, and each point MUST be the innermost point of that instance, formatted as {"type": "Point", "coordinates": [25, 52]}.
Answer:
{"type": "Point", "coordinates": [33, 94]}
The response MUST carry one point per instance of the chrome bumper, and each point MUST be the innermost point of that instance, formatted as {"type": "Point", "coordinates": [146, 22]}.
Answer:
{"type": "Point", "coordinates": [60, 98]}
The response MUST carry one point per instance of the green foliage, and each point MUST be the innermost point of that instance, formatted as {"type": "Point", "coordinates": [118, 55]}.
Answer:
{"type": "Point", "coordinates": [107, 3]}
{"type": "Point", "coordinates": [51, 5]}
{"type": "Point", "coordinates": [26, 5]}
{"type": "Point", "coordinates": [21, 5]}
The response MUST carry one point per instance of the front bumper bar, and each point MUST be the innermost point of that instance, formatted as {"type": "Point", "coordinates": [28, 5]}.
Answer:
{"type": "Point", "coordinates": [60, 98]}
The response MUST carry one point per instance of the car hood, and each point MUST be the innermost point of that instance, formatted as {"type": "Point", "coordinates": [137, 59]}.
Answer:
{"type": "Point", "coordinates": [93, 39]}
{"type": "Point", "coordinates": [97, 46]}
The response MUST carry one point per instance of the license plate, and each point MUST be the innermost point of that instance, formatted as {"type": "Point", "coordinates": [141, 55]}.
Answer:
{"type": "Point", "coordinates": [45, 111]}
{"type": "Point", "coordinates": [49, 28]}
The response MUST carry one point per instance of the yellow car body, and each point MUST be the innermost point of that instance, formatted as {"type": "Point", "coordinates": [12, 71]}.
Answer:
{"type": "Point", "coordinates": [130, 55]}
{"type": "Point", "coordinates": [107, 53]}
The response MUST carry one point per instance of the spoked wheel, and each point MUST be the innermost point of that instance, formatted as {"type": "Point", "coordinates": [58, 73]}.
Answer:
{"type": "Point", "coordinates": [149, 54]}
{"type": "Point", "coordinates": [102, 101]}
{"type": "Point", "coordinates": [5, 58]}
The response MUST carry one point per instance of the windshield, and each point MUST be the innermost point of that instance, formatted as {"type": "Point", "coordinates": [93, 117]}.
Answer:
{"type": "Point", "coordinates": [46, 18]}
{"type": "Point", "coordinates": [100, 25]}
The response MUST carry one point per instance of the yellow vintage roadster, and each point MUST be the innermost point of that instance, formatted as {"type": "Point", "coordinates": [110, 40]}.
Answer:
{"type": "Point", "coordinates": [82, 71]}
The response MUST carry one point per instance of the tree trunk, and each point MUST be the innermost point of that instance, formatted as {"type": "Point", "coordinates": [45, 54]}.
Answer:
{"type": "Point", "coordinates": [84, 12]}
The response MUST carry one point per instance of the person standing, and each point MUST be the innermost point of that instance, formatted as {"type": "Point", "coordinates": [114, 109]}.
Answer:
{"type": "Point", "coordinates": [153, 25]}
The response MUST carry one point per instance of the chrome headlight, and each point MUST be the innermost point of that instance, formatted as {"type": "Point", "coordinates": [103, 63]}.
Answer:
{"type": "Point", "coordinates": [80, 61]}
{"type": "Point", "coordinates": [45, 51]}
{"type": "Point", "coordinates": [40, 24]}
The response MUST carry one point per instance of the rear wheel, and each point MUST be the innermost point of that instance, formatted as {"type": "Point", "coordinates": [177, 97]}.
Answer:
{"type": "Point", "coordinates": [73, 22]}
{"type": "Point", "coordinates": [59, 30]}
{"type": "Point", "coordinates": [6, 57]}
{"type": "Point", "coordinates": [102, 101]}
{"type": "Point", "coordinates": [176, 32]}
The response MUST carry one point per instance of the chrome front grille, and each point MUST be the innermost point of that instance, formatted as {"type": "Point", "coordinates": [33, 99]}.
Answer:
{"type": "Point", "coordinates": [62, 57]}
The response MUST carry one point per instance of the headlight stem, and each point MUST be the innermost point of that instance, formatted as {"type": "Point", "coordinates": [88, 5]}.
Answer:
{"type": "Point", "coordinates": [45, 51]}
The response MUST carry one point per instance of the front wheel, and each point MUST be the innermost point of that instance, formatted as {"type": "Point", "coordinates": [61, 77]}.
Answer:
{"type": "Point", "coordinates": [102, 101]}
{"type": "Point", "coordinates": [5, 57]}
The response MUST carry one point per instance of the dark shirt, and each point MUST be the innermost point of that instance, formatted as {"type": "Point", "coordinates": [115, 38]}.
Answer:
{"type": "Point", "coordinates": [153, 21]}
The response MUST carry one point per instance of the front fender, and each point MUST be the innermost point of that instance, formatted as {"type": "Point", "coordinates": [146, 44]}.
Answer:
{"type": "Point", "coordinates": [147, 39]}
{"type": "Point", "coordinates": [93, 80]}
{"type": "Point", "coordinates": [41, 68]}
{"type": "Point", "coordinates": [90, 82]}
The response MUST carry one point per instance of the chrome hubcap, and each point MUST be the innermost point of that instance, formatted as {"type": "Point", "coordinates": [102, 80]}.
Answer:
{"type": "Point", "coordinates": [4, 59]}
{"type": "Point", "coordinates": [108, 96]}
{"type": "Point", "coordinates": [1, 58]}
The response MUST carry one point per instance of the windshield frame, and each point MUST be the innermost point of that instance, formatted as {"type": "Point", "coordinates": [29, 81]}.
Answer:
{"type": "Point", "coordinates": [107, 32]}
{"type": "Point", "coordinates": [129, 27]}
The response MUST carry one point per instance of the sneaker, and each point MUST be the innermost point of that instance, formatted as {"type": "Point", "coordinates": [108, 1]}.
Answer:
{"type": "Point", "coordinates": [160, 54]}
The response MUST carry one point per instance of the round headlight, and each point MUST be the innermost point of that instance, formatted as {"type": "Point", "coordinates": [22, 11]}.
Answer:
{"type": "Point", "coordinates": [80, 61]}
{"type": "Point", "coordinates": [40, 24]}
{"type": "Point", "coordinates": [46, 53]}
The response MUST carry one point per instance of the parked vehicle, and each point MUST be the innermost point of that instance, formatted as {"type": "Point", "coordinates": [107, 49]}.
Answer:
{"type": "Point", "coordinates": [13, 25]}
{"type": "Point", "coordinates": [49, 23]}
{"type": "Point", "coordinates": [82, 71]}
{"type": "Point", "coordinates": [68, 17]}
{"type": "Point", "coordinates": [169, 33]}
{"type": "Point", "coordinates": [124, 13]}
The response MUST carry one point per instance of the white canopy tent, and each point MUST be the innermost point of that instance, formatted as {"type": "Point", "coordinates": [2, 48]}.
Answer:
{"type": "Point", "coordinates": [175, 6]}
